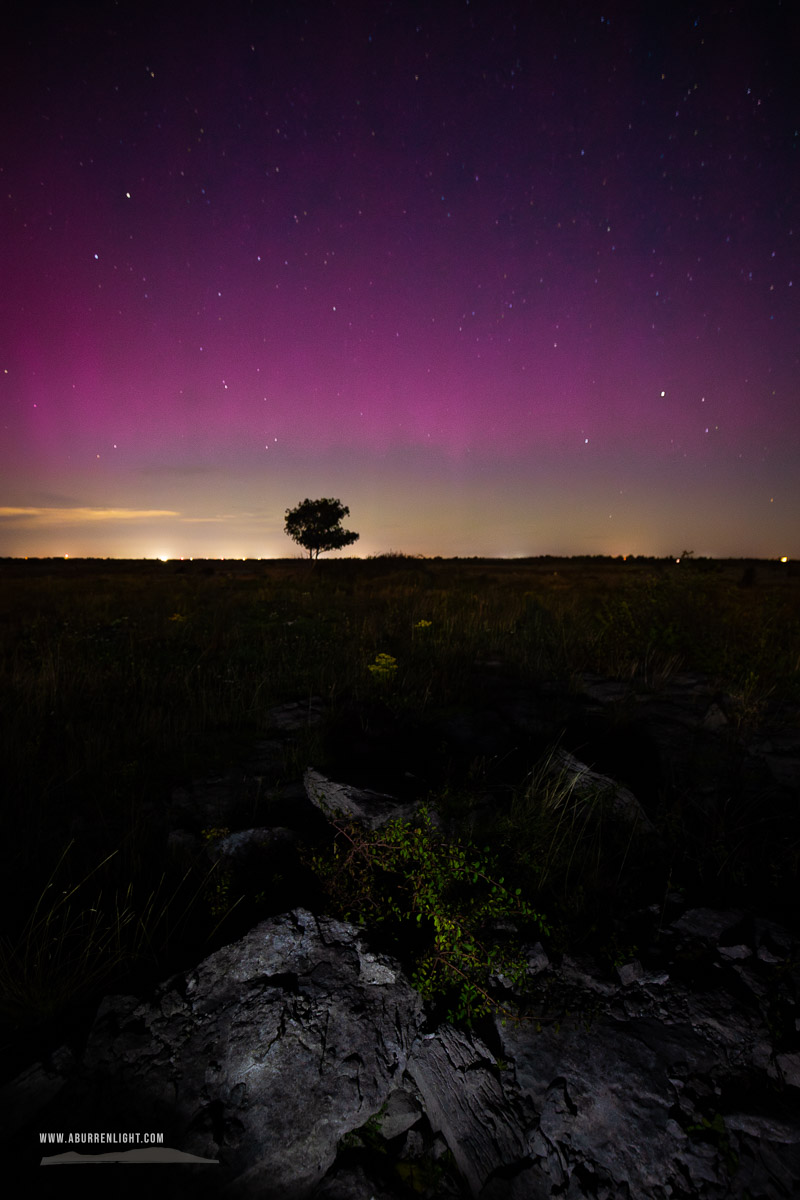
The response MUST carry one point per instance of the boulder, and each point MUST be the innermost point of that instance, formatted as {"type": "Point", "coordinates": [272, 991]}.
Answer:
{"type": "Point", "coordinates": [262, 1058]}
{"type": "Point", "coordinates": [669, 1080]}
{"type": "Point", "coordinates": [297, 715]}
{"type": "Point", "coordinates": [586, 783]}
{"type": "Point", "coordinates": [371, 809]}
{"type": "Point", "coordinates": [485, 1125]}
{"type": "Point", "coordinates": [298, 1061]}
{"type": "Point", "coordinates": [662, 1092]}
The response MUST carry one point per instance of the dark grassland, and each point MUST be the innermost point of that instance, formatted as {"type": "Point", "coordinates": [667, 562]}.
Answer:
{"type": "Point", "coordinates": [122, 680]}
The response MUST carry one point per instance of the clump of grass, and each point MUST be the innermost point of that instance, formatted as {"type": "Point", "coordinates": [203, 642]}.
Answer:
{"type": "Point", "coordinates": [566, 840]}
{"type": "Point", "coordinates": [77, 940]}
{"type": "Point", "coordinates": [67, 947]}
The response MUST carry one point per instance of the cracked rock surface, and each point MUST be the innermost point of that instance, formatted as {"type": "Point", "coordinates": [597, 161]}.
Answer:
{"type": "Point", "coordinates": [299, 1059]}
{"type": "Point", "coordinates": [263, 1057]}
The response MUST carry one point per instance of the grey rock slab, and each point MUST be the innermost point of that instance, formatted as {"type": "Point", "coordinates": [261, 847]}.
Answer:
{"type": "Point", "coordinates": [536, 959]}
{"type": "Point", "coordinates": [788, 1068]}
{"type": "Point", "coordinates": [773, 1129]}
{"type": "Point", "coordinates": [620, 1103]}
{"type": "Point", "coordinates": [484, 1123]}
{"type": "Point", "coordinates": [297, 715]}
{"type": "Point", "coordinates": [715, 718]}
{"type": "Point", "coordinates": [605, 1098]}
{"type": "Point", "coordinates": [734, 952]}
{"type": "Point", "coordinates": [264, 1056]}
{"type": "Point", "coordinates": [582, 972]}
{"type": "Point", "coordinates": [630, 972]}
{"type": "Point", "coordinates": [251, 845]}
{"type": "Point", "coordinates": [606, 691]}
{"type": "Point", "coordinates": [780, 938]}
{"type": "Point", "coordinates": [351, 1183]}
{"type": "Point", "coordinates": [220, 801]}
{"type": "Point", "coordinates": [584, 782]}
{"type": "Point", "coordinates": [371, 809]}
{"type": "Point", "coordinates": [243, 840]}
{"type": "Point", "coordinates": [707, 924]}
{"type": "Point", "coordinates": [401, 1112]}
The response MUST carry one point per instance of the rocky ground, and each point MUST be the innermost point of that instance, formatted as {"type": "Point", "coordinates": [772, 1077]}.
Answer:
{"type": "Point", "coordinates": [301, 1063]}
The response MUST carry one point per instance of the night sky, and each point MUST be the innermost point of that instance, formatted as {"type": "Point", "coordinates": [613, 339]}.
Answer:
{"type": "Point", "coordinates": [507, 279]}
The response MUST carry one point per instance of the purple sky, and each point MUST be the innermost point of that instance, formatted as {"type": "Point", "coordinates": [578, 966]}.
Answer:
{"type": "Point", "coordinates": [504, 282]}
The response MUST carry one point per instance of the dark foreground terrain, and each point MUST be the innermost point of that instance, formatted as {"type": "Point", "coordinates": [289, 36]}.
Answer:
{"type": "Point", "coordinates": [567, 800]}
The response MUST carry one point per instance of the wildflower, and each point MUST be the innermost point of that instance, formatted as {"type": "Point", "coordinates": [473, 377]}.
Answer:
{"type": "Point", "coordinates": [383, 668]}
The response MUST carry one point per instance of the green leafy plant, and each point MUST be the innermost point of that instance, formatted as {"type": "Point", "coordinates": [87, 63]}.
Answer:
{"type": "Point", "coordinates": [423, 1175]}
{"type": "Point", "coordinates": [714, 1130]}
{"type": "Point", "coordinates": [750, 699]}
{"type": "Point", "coordinates": [369, 1135]}
{"type": "Point", "coordinates": [105, 714]}
{"type": "Point", "coordinates": [448, 891]}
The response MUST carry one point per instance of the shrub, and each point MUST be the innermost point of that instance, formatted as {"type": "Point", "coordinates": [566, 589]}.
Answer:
{"type": "Point", "coordinates": [447, 891]}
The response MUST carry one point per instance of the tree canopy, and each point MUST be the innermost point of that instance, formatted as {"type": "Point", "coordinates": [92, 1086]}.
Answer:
{"type": "Point", "coordinates": [316, 525]}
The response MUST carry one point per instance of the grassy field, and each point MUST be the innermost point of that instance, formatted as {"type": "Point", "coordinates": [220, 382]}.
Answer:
{"type": "Point", "coordinates": [121, 680]}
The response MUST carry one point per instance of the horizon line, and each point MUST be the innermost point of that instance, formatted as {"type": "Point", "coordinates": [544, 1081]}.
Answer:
{"type": "Point", "coordinates": [689, 557]}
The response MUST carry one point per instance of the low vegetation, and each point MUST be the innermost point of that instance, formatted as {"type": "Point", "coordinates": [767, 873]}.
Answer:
{"type": "Point", "coordinates": [122, 680]}
{"type": "Point", "coordinates": [450, 892]}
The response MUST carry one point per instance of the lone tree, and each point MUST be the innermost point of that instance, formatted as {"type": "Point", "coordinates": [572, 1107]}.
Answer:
{"type": "Point", "coordinates": [317, 525]}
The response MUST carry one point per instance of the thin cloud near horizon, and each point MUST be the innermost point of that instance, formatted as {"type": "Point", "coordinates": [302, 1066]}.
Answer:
{"type": "Point", "coordinates": [88, 514]}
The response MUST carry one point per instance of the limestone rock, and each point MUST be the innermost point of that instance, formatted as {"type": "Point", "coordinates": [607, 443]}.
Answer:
{"type": "Point", "coordinates": [400, 1113]}
{"type": "Point", "coordinates": [297, 715]}
{"type": "Point", "coordinates": [585, 782]}
{"type": "Point", "coordinates": [351, 1183]}
{"type": "Point", "coordinates": [707, 924]}
{"type": "Point", "coordinates": [264, 1056]}
{"type": "Point", "coordinates": [715, 718]}
{"type": "Point", "coordinates": [372, 809]}
{"type": "Point", "coordinates": [298, 1058]}
{"type": "Point", "coordinates": [459, 1081]}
